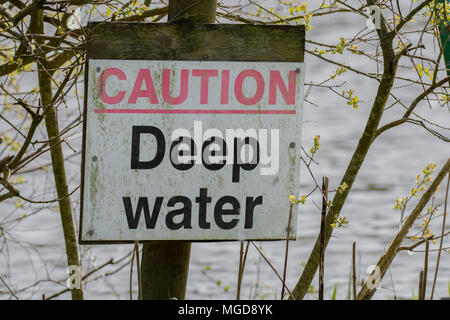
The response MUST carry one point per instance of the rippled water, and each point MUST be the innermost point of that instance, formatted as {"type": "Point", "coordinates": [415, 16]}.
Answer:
{"type": "Point", "coordinates": [388, 172]}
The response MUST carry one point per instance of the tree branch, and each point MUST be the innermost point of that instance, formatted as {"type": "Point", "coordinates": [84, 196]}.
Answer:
{"type": "Point", "coordinates": [387, 258]}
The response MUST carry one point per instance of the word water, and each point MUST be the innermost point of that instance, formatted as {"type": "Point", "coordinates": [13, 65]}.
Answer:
{"type": "Point", "coordinates": [225, 212]}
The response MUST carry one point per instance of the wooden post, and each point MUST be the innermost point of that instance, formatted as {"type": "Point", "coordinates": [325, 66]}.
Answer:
{"type": "Point", "coordinates": [164, 269]}
{"type": "Point", "coordinates": [192, 11]}
{"type": "Point", "coordinates": [165, 264]}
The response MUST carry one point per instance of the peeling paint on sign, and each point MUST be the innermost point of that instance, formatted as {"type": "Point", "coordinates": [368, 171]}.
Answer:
{"type": "Point", "coordinates": [190, 150]}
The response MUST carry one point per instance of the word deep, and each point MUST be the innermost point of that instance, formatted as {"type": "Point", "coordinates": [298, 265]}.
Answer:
{"type": "Point", "coordinates": [243, 149]}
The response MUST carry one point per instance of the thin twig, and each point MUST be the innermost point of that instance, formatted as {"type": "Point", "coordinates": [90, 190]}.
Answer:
{"type": "Point", "coordinates": [420, 285]}
{"type": "Point", "coordinates": [109, 262]}
{"type": "Point", "coordinates": [242, 260]}
{"type": "Point", "coordinates": [286, 251]}
{"type": "Point", "coordinates": [272, 267]}
{"type": "Point", "coordinates": [389, 255]}
{"type": "Point", "coordinates": [442, 237]}
{"type": "Point", "coordinates": [354, 269]}
{"type": "Point", "coordinates": [131, 274]}
{"type": "Point", "coordinates": [425, 270]}
{"type": "Point", "coordinates": [9, 289]}
{"type": "Point", "coordinates": [322, 234]}
{"type": "Point", "coordinates": [138, 266]}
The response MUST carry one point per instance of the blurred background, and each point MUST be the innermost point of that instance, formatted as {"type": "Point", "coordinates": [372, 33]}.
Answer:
{"type": "Point", "coordinates": [32, 255]}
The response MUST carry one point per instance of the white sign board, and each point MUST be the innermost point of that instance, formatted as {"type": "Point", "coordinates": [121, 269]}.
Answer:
{"type": "Point", "coordinates": [191, 150]}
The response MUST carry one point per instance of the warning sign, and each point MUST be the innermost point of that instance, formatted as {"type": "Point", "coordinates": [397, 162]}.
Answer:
{"type": "Point", "coordinates": [190, 150]}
